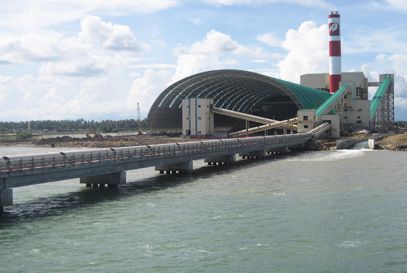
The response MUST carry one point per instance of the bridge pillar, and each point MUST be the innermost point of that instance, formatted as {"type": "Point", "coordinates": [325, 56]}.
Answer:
{"type": "Point", "coordinates": [278, 151]}
{"type": "Point", "coordinates": [6, 198]}
{"type": "Point", "coordinates": [182, 167]}
{"type": "Point", "coordinates": [254, 155]}
{"type": "Point", "coordinates": [110, 179]}
{"type": "Point", "coordinates": [222, 160]}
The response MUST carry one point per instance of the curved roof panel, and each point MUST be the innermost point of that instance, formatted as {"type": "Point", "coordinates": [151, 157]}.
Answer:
{"type": "Point", "coordinates": [236, 90]}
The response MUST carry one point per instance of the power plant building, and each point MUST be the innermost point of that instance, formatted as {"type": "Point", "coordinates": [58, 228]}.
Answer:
{"type": "Point", "coordinates": [246, 102]}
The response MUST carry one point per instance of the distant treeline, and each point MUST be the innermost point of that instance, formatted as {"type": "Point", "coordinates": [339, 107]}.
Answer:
{"type": "Point", "coordinates": [106, 126]}
{"type": "Point", "coordinates": [401, 123]}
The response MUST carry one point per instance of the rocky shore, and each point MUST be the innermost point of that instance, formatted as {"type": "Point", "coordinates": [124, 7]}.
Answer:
{"type": "Point", "coordinates": [321, 145]}
{"type": "Point", "coordinates": [396, 142]}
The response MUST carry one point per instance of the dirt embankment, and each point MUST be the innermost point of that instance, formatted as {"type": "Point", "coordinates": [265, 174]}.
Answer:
{"type": "Point", "coordinates": [395, 142]}
{"type": "Point", "coordinates": [107, 141]}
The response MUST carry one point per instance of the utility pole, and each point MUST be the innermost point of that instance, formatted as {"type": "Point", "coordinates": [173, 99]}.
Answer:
{"type": "Point", "coordinates": [138, 118]}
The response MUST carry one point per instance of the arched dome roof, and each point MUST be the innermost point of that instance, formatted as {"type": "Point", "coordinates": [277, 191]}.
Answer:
{"type": "Point", "coordinates": [237, 90]}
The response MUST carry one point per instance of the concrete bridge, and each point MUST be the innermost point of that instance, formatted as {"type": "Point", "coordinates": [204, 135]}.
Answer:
{"type": "Point", "coordinates": [102, 167]}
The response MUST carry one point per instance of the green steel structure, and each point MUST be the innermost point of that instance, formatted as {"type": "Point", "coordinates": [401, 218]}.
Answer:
{"type": "Point", "coordinates": [236, 90]}
{"type": "Point", "coordinates": [332, 101]}
{"type": "Point", "coordinates": [378, 97]}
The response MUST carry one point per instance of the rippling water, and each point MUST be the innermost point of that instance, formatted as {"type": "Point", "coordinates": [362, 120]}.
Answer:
{"type": "Point", "coordinates": [339, 211]}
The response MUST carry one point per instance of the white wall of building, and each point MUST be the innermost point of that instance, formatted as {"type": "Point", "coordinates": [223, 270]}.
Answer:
{"type": "Point", "coordinates": [306, 120]}
{"type": "Point", "coordinates": [321, 81]}
{"type": "Point", "coordinates": [334, 120]}
{"type": "Point", "coordinates": [197, 118]}
{"type": "Point", "coordinates": [356, 114]}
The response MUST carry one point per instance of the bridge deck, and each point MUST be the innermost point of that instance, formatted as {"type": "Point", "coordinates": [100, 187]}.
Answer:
{"type": "Point", "coordinates": [18, 171]}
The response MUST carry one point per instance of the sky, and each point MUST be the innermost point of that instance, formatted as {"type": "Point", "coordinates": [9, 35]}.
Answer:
{"type": "Point", "coordinates": [69, 59]}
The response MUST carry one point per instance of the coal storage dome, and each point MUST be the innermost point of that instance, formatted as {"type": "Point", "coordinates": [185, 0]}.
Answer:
{"type": "Point", "coordinates": [236, 90]}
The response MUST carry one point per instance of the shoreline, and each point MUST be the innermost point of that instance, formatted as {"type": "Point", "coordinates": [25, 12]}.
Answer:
{"type": "Point", "coordinates": [394, 142]}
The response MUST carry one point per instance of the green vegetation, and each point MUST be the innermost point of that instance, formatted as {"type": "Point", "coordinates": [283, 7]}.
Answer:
{"type": "Point", "coordinates": [106, 126]}
{"type": "Point", "coordinates": [18, 137]}
{"type": "Point", "coordinates": [23, 135]}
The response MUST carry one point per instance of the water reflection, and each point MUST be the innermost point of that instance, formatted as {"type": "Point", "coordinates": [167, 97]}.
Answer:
{"type": "Point", "coordinates": [61, 203]}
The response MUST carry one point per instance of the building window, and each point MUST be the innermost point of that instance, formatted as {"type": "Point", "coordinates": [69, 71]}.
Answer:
{"type": "Point", "coordinates": [305, 118]}
{"type": "Point", "coordinates": [199, 106]}
{"type": "Point", "coordinates": [358, 117]}
{"type": "Point", "coordinates": [306, 126]}
{"type": "Point", "coordinates": [187, 118]}
{"type": "Point", "coordinates": [359, 121]}
{"type": "Point", "coordinates": [199, 132]}
{"type": "Point", "coordinates": [345, 117]}
{"type": "Point", "coordinates": [199, 118]}
{"type": "Point", "coordinates": [360, 110]}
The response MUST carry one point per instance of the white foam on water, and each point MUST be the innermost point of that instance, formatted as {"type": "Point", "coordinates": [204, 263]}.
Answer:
{"type": "Point", "coordinates": [262, 245]}
{"type": "Point", "coordinates": [329, 155]}
{"type": "Point", "coordinates": [279, 193]}
{"type": "Point", "coordinates": [350, 244]}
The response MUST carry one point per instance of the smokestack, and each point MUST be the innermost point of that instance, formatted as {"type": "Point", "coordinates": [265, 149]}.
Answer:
{"type": "Point", "coordinates": [335, 70]}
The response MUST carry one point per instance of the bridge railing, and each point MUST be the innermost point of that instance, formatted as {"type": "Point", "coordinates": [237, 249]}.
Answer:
{"type": "Point", "coordinates": [17, 165]}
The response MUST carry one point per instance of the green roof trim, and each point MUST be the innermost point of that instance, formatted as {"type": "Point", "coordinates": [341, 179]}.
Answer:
{"type": "Point", "coordinates": [309, 98]}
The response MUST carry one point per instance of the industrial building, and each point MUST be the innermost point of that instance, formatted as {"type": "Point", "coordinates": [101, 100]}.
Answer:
{"type": "Point", "coordinates": [243, 103]}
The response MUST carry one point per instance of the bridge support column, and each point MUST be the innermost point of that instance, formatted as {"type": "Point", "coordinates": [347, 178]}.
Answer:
{"type": "Point", "coordinates": [110, 179]}
{"type": "Point", "coordinates": [6, 198]}
{"type": "Point", "coordinates": [254, 155]}
{"type": "Point", "coordinates": [182, 167]}
{"type": "Point", "coordinates": [278, 151]}
{"type": "Point", "coordinates": [223, 160]}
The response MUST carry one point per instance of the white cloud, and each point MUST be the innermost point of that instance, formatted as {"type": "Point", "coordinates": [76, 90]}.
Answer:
{"type": "Point", "coordinates": [269, 39]}
{"type": "Point", "coordinates": [206, 54]}
{"type": "Point", "coordinates": [216, 51]}
{"type": "Point", "coordinates": [83, 75]}
{"type": "Point", "coordinates": [107, 35]}
{"type": "Point", "coordinates": [308, 3]}
{"type": "Point", "coordinates": [30, 47]}
{"type": "Point", "coordinates": [146, 88]}
{"type": "Point", "coordinates": [36, 14]}
{"type": "Point", "coordinates": [394, 64]}
{"type": "Point", "coordinates": [76, 68]}
{"type": "Point", "coordinates": [378, 41]}
{"type": "Point", "coordinates": [398, 4]}
{"type": "Point", "coordinates": [214, 42]}
{"type": "Point", "coordinates": [96, 38]}
{"type": "Point", "coordinates": [307, 51]}
{"type": "Point", "coordinates": [59, 97]}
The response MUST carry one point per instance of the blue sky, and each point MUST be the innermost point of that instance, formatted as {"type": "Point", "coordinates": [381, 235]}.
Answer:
{"type": "Point", "coordinates": [63, 59]}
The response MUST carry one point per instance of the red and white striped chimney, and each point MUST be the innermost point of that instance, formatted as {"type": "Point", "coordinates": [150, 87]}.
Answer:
{"type": "Point", "coordinates": [335, 70]}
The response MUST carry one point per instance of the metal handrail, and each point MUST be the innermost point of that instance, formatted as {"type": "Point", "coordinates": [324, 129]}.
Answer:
{"type": "Point", "coordinates": [23, 164]}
